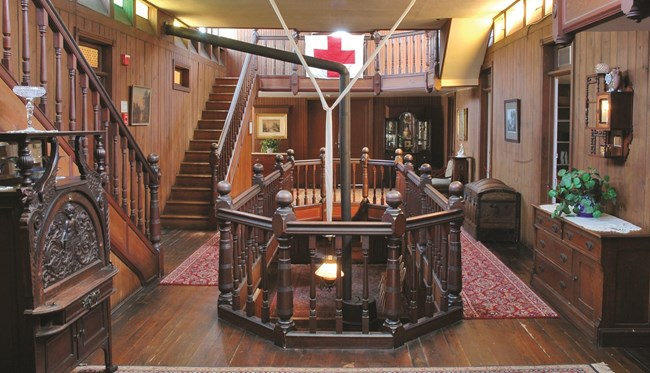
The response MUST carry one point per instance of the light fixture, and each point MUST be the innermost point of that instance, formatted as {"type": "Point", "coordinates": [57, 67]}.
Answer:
{"type": "Point", "coordinates": [327, 270]}
{"type": "Point", "coordinates": [603, 110]}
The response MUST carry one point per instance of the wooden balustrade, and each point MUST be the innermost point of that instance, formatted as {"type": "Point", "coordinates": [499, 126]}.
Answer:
{"type": "Point", "coordinates": [419, 228]}
{"type": "Point", "coordinates": [80, 102]}
{"type": "Point", "coordinates": [407, 52]}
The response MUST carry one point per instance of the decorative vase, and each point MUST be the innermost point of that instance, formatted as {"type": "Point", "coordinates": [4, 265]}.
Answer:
{"type": "Point", "coordinates": [589, 201]}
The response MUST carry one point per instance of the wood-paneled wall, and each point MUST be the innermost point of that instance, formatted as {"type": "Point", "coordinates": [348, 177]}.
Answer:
{"type": "Point", "coordinates": [175, 113]}
{"type": "Point", "coordinates": [518, 71]}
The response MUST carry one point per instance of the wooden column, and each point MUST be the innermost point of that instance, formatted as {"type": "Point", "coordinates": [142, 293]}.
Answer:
{"type": "Point", "coordinates": [282, 216]}
{"type": "Point", "coordinates": [454, 269]}
{"type": "Point", "coordinates": [393, 304]}
{"type": "Point", "coordinates": [365, 157]}
{"type": "Point", "coordinates": [224, 201]}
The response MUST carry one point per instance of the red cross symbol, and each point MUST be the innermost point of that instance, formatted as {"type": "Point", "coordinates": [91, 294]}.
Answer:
{"type": "Point", "coordinates": [335, 53]}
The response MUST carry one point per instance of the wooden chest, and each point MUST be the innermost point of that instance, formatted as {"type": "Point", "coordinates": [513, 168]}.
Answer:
{"type": "Point", "coordinates": [492, 211]}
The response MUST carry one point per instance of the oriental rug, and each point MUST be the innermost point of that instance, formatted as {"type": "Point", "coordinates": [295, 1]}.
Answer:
{"type": "Point", "coordinates": [490, 289]}
{"type": "Point", "coordinates": [577, 368]}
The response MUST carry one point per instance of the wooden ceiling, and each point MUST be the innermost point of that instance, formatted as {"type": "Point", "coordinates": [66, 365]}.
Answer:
{"type": "Point", "coordinates": [327, 15]}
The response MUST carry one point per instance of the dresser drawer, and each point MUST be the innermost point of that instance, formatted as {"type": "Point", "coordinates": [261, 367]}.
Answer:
{"type": "Point", "coordinates": [553, 226]}
{"type": "Point", "coordinates": [583, 241]}
{"type": "Point", "coordinates": [553, 276]}
{"type": "Point", "coordinates": [554, 250]}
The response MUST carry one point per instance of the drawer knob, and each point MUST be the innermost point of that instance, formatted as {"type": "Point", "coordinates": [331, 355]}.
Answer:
{"type": "Point", "coordinates": [555, 228]}
{"type": "Point", "coordinates": [563, 285]}
{"type": "Point", "coordinates": [569, 235]}
{"type": "Point", "coordinates": [542, 243]}
{"type": "Point", "coordinates": [563, 258]}
{"type": "Point", "coordinates": [540, 269]}
{"type": "Point", "coordinates": [90, 300]}
{"type": "Point", "coordinates": [590, 245]}
{"type": "Point", "coordinates": [575, 278]}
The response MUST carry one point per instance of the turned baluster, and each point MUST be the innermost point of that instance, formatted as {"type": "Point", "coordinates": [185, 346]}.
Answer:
{"type": "Point", "coordinates": [72, 72]}
{"type": "Point", "coordinates": [393, 304]}
{"type": "Point", "coordinates": [58, 97]}
{"type": "Point", "coordinates": [312, 284]}
{"type": "Point", "coordinates": [365, 157]}
{"type": "Point", "coordinates": [365, 313]}
{"type": "Point", "coordinates": [6, 35]}
{"type": "Point", "coordinates": [250, 288]}
{"type": "Point", "coordinates": [133, 185]}
{"type": "Point", "coordinates": [24, 5]}
{"type": "Point", "coordinates": [100, 159]}
{"type": "Point", "coordinates": [322, 175]}
{"type": "Point", "coordinates": [283, 215]}
{"type": "Point", "coordinates": [214, 171]}
{"type": "Point", "coordinates": [41, 19]}
{"type": "Point", "coordinates": [83, 83]}
{"type": "Point", "coordinates": [140, 199]}
{"type": "Point", "coordinates": [376, 79]}
{"type": "Point", "coordinates": [224, 201]}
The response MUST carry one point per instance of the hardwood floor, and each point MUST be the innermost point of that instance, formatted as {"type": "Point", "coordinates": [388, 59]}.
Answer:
{"type": "Point", "coordinates": [178, 326]}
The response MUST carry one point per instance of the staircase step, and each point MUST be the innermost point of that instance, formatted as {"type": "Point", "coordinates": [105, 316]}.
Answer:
{"type": "Point", "coordinates": [193, 180]}
{"type": "Point", "coordinates": [201, 144]}
{"type": "Point", "coordinates": [186, 221]}
{"type": "Point", "coordinates": [226, 81]}
{"type": "Point", "coordinates": [221, 97]}
{"type": "Point", "coordinates": [187, 207]}
{"type": "Point", "coordinates": [207, 134]}
{"type": "Point", "coordinates": [202, 168]}
{"type": "Point", "coordinates": [197, 156]}
{"type": "Point", "coordinates": [214, 114]}
{"type": "Point", "coordinates": [224, 88]}
{"type": "Point", "coordinates": [190, 194]}
{"type": "Point", "coordinates": [211, 124]}
{"type": "Point", "coordinates": [218, 105]}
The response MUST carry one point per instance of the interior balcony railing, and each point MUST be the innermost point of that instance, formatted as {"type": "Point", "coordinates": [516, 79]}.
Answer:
{"type": "Point", "coordinates": [407, 55]}
{"type": "Point", "coordinates": [39, 50]}
{"type": "Point", "coordinates": [403, 279]}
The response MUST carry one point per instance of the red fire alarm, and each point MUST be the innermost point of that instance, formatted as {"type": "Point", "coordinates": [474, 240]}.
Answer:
{"type": "Point", "coordinates": [126, 59]}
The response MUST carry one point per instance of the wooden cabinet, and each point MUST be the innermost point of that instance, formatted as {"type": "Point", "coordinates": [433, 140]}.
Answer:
{"type": "Point", "coordinates": [599, 281]}
{"type": "Point", "coordinates": [460, 169]}
{"type": "Point", "coordinates": [55, 273]}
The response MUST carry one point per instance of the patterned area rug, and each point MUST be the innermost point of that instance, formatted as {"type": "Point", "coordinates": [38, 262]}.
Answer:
{"type": "Point", "coordinates": [201, 268]}
{"type": "Point", "coordinates": [582, 368]}
{"type": "Point", "coordinates": [490, 289]}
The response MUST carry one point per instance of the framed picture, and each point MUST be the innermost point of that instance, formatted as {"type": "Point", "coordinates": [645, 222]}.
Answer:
{"type": "Point", "coordinates": [140, 106]}
{"type": "Point", "coordinates": [272, 126]}
{"type": "Point", "coordinates": [461, 123]}
{"type": "Point", "coordinates": [511, 120]}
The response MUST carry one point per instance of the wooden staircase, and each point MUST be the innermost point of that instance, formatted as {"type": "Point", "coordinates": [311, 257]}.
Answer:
{"type": "Point", "coordinates": [189, 203]}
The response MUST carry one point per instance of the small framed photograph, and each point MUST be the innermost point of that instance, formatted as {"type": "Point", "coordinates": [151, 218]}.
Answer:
{"type": "Point", "coordinates": [140, 106]}
{"type": "Point", "coordinates": [511, 120]}
{"type": "Point", "coordinates": [272, 126]}
{"type": "Point", "coordinates": [461, 122]}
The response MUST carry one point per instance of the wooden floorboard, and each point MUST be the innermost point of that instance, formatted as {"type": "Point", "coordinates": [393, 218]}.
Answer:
{"type": "Point", "coordinates": [178, 326]}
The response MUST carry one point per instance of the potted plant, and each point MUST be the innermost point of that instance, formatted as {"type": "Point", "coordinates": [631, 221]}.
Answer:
{"type": "Point", "coordinates": [269, 145]}
{"type": "Point", "coordinates": [582, 193]}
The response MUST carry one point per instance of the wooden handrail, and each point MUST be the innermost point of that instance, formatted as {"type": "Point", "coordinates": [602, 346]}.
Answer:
{"type": "Point", "coordinates": [75, 99]}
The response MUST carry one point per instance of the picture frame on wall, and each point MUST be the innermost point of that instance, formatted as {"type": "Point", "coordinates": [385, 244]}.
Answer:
{"type": "Point", "coordinates": [461, 123]}
{"type": "Point", "coordinates": [140, 99]}
{"type": "Point", "coordinates": [511, 120]}
{"type": "Point", "coordinates": [271, 126]}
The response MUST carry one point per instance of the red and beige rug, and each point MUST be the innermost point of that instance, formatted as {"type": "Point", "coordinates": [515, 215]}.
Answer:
{"type": "Point", "coordinates": [490, 289]}
{"type": "Point", "coordinates": [577, 368]}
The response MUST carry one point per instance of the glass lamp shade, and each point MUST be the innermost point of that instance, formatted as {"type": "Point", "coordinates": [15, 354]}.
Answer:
{"type": "Point", "coordinates": [327, 270]}
{"type": "Point", "coordinates": [603, 110]}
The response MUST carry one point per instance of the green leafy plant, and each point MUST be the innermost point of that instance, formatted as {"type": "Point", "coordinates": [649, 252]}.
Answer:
{"type": "Point", "coordinates": [581, 191]}
{"type": "Point", "coordinates": [269, 145]}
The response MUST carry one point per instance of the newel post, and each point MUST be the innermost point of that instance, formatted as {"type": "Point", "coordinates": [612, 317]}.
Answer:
{"type": "Point", "coordinates": [226, 260]}
{"type": "Point", "coordinates": [154, 209]}
{"type": "Point", "coordinates": [258, 179]}
{"type": "Point", "coordinates": [365, 157]}
{"type": "Point", "coordinates": [283, 215]}
{"type": "Point", "coordinates": [393, 304]}
{"type": "Point", "coordinates": [454, 269]}
{"type": "Point", "coordinates": [214, 166]}
{"type": "Point", "coordinates": [425, 179]}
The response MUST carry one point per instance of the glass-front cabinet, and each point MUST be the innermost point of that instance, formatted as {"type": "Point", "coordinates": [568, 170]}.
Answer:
{"type": "Point", "coordinates": [410, 134]}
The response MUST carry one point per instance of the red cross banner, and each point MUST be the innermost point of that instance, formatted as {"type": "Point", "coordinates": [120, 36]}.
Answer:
{"type": "Point", "coordinates": [339, 47]}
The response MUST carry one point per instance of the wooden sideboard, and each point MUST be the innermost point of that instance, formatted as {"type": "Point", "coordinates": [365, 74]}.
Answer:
{"type": "Point", "coordinates": [599, 281]}
{"type": "Point", "coordinates": [56, 277]}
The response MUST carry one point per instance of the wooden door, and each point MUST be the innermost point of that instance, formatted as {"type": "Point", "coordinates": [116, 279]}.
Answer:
{"type": "Point", "coordinates": [588, 285]}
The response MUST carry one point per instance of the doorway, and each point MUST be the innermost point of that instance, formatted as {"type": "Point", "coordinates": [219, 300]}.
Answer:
{"type": "Point", "coordinates": [561, 125]}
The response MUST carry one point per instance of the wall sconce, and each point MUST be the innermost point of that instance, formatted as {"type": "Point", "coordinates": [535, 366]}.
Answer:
{"type": "Point", "coordinates": [603, 110]}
